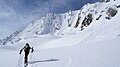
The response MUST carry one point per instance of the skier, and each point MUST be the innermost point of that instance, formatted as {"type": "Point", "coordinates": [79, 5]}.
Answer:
{"type": "Point", "coordinates": [26, 49]}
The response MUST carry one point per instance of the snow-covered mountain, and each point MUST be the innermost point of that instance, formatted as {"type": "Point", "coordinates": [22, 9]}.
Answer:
{"type": "Point", "coordinates": [98, 20]}
{"type": "Point", "coordinates": [89, 37]}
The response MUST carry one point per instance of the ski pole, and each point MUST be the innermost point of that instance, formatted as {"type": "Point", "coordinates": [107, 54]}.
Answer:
{"type": "Point", "coordinates": [31, 58]}
{"type": "Point", "coordinates": [19, 60]}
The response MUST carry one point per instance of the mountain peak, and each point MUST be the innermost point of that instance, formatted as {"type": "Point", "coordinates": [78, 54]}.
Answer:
{"type": "Point", "coordinates": [92, 18]}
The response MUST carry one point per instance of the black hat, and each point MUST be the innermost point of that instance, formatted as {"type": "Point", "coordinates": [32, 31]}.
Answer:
{"type": "Point", "coordinates": [27, 44]}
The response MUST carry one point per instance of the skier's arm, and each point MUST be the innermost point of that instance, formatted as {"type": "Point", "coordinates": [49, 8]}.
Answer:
{"type": "Point", "coordinates": [32, 49]}
{"type": "Point", "coordinates": [21, 50]}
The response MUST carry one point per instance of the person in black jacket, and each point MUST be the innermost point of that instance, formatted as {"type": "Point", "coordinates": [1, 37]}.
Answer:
{"type": "Point", "coordinates": [26, 49]}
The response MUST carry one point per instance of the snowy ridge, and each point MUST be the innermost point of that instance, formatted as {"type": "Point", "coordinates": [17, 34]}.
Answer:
{"type": "Point", "coordinates": [95, 19]}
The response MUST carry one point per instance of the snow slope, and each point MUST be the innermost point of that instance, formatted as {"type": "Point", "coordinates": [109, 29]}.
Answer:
{"type": "Point", "coordinates": [88, 37]}
{"type": "Point", "coordinates": [95, 54]}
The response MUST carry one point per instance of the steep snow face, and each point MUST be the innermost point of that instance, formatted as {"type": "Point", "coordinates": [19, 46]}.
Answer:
{"type": "Point", "coordinates": [97, 21]}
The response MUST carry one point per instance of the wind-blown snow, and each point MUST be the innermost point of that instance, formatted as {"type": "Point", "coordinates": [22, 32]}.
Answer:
{"type": "Point", "coordinates": [88, 37]}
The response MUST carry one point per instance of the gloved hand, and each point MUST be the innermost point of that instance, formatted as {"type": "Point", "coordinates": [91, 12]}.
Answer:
{"type": "Point", "coordinates": [32, 49]}
{"type": "Point", "coordinates": [19, 53]}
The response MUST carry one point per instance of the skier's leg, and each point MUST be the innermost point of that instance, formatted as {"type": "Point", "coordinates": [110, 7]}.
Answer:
{"type": "Point", "coordinates": [25, 60]}
{"type": "Point", "coordinates": [26, 57]}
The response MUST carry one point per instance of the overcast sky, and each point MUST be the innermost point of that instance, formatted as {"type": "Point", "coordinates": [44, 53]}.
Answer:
{"type": "Point", "coordinates": [15, 14]}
